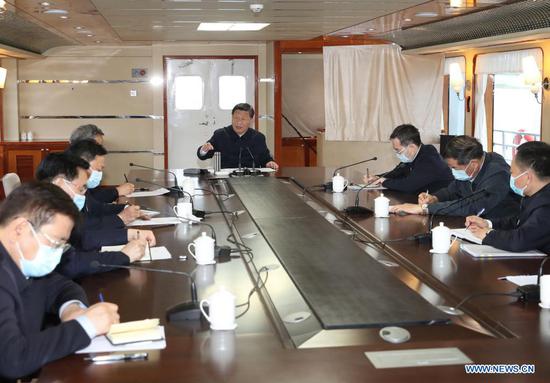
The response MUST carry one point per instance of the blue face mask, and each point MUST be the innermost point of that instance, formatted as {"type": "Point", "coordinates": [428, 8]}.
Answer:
{"type": "Point", "coordinates": [402, 157]}
{"type": "Point", "coordinates": [513, 186]}
{"type": "Point", "coordinates": [460, 174]}
{"type": "Point", "coordinates": [45, 261]}
{"type": "Point", "coordinates": [95, 179]}
{"type": "Point", "coordinates": [79, 200]}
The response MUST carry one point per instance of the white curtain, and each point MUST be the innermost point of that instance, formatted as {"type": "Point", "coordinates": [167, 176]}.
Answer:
{"type": "Point", "coordinates": [506, 62]}
{"type": "Point", "coordinates": [480, 127]}
{"type": "Point", "coordinates": [369, 90]}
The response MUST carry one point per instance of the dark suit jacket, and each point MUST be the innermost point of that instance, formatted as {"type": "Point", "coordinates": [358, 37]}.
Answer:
{"type": "Point", "coordinates": [75, 263]}
{"type": "Point", "coordinates": [26, 345]}
{"type": "Point", "coordinates": [529, 231]}
{"type": "Point", "coordinates": [105, 194]}
{"type": "Point", "coordinates": [232, 147]}
{"type": "Point", "coordinates": [494, 177]}
{"type": "Point", "coordinates": [427, 171]}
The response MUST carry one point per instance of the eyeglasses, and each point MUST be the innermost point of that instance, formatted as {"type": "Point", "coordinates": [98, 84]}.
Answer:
{"type": "Point", "coordinates": [54, 244]}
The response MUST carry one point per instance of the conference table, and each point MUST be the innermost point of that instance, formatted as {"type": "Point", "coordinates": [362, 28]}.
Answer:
{"type": "Point", "coordinates": [287, 331]}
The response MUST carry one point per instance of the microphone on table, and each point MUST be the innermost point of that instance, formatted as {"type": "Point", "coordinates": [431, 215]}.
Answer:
{"type": "Point", "coordinates": [223, 252]}
{"type": "Point", "coordinates": [469, 199]}
{"type": "Point", "coordinates": [184, 311]}
{"type": "Point", "coordinates": [531, 293]}
{"type": "Point", "coordinates": [254, 171]}
{"type": "Point", "coordinates": [357, 210]}
{"type": "Point", "coordinates": [179, 191]}
{"type": "Point", "coordinates": [238, 172]}
{"type": "Point", "coordinates": [328, 185]}
{"type": "Point", "coordinates": [158, 170]}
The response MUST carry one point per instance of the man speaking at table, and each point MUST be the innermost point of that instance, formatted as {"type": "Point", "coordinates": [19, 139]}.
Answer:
{"type": "Point", "coordinates": [239, 145]}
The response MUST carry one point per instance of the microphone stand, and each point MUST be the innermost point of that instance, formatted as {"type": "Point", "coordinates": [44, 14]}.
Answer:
{"type": "Point", "coordinates": [158, 170]}
{"type": "Point", "coordinates": [357, 210]}
{"type": "Point", "coordinates": [185, 311]}
{"type": "Point", "coordinates": [328, 186]}
{"type": "Point", "coordinates": [254, 171]}
{"type": "Point", "coordinates": [531, 293]}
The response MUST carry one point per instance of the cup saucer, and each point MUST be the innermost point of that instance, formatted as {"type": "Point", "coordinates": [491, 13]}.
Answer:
{"type": "Point", "coordinates": [229, 328]}
{"type": "Point", "coordinates": [543, 306]}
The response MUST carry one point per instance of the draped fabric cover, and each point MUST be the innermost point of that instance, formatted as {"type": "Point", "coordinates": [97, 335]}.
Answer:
{"type": "Point", "coordinates": [369, 90]}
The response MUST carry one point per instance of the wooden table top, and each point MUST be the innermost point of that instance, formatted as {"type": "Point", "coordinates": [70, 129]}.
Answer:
{"type": "Point", "coordinates": [498, 330]}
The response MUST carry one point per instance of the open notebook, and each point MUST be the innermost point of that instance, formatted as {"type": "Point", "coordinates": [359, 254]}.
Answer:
{"type": "Point", "coordinates": [465, 234]}
{"type": "Point", "coordinates": [136, 331]}
{"type": "Point", "coordinates": [483, 251]}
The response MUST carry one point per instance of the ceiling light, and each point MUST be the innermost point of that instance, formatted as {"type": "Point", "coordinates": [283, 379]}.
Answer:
{"type": "Point", "coordinates": [64, 17]}
{"type": "Point", "coordinates": [55, 12]}
{"type": "Point", "coordinates": [427, 14]}
{"type": "Point", "coordinates": [231, 26]}
{"type": "Point", "coordinates": [371, 29]}
{"type": "Point", "coordinates": [98, 41]}
{"type": "Point", "coordinates": [2, 6]}
{"type": "Point", "coordinates": [90, 35]}
{"type": "Point", "coordinates": [156, 80]}
{"type": "Point", "coordinates": [78, 28]}
{"type": "Point", "coordinates": [455, 3]}
{"type": "Point", "coordinates": [407, 19]}
{"type": "Point", "coordinates": [45, 4]}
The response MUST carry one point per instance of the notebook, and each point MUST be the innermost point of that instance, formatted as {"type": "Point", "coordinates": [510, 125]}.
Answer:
{"type": "Point", "coordinates": [483, 251]}
{"type": "Point", "coordinates": [136, 331]}
{"type": "Point", "coordinates": [465, 234]}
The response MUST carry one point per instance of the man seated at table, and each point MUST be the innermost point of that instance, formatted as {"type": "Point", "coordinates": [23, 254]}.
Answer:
{"type": "Point", "coordinates": [94, 153]}
{"type": "Point", "coordinates": [70, 174]}
{"type": "Point", "coordinates": [105, 193]}
{"type": "Point", "coordinates": [239, 145]}
{"type": "Point", "coordinates": [421, 167]}
{"type": "Point", "coordinates": [530, 178]}
{"type": "Point", "coordinates": [474, 171]}
{"type": "Point", "coordinates": [36, 220]}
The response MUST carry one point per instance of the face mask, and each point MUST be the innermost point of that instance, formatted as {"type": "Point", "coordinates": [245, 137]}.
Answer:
{"type": "Point", "coordinates": [461, 175]}
{"type": "Point", "coordinates": [45, 261]}
{"type": "Point", "coordinates": [402, 157]}
{"type": "Point", "coordinates": [95, 179]}
{"type": "Point", "coordinates": [78, 199]}
{"type": "Point", "coordinates": [513, 186]}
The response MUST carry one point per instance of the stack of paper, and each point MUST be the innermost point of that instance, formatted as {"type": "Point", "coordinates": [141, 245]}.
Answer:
{"type": "Point", "coordinates": [136, 331]}
{"type": "Point", "coordinates": [483, 251]}
{"type": "Point", "coordinates": [157, 253]}
{"type": "Point", "coordinates": [155, 221]}
{"type": "Point", "coordinates": [152, 193]}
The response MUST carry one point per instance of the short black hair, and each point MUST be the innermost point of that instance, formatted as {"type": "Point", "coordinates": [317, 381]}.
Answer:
{"type": "Point", "coordinates": [245, 108]}
{"type": "Point", "coordinates": [85, 132]}
{"type": "Point", "coordinates": [86, 149]}
{"type": "Point", "coordinates": [38, 202]}
{"type": "Point", "coordinates": [535, 156]}
{"type": "Point", "coordinates": [406, 134]}
{"type": "Point", "coordinates": [463, 149]}
{"type": "Point", "coordinates": [60, 164]}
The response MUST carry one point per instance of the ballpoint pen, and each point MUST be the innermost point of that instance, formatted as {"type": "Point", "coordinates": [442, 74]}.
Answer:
{"type": "Point", "coordinates": [149, 251]}
{"type": "Point", "coordinates": [118, 357]}
{"type": "Point", "coordinates": [126, 178]}
{"type": "Point", "coordinates": [477, 215]}
{"type": "Point", "coordinates": [101, 297]}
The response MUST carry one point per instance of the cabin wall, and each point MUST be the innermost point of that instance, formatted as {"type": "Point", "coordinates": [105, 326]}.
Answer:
{"type": "Point", "coordinates": [77, 99]}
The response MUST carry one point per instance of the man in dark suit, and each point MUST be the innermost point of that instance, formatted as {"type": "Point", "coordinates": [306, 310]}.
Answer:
{"type": "Point", "coordinates": [474, 170]}
{"type": "Point", "coordinates": [69, 173]}
{"type": "Point", "coordinates": [94, 153]}
{"type": "Point", "coordinates": [421, 167]}
{"type": "Point", "coordinates": [239, 145]}
{"type": "Point", "coordinates": [35, 222]}
{"type": "Point", "coordinates": [106, 193]}
{"type": "Point", "coordinates": [530, 178]}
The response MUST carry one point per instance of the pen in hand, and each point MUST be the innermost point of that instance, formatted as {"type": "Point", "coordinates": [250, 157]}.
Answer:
{"type": "Point", "coordinates": [477, 215]}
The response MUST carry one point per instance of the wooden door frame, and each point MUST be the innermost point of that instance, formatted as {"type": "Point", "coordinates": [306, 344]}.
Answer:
{"type": "Point", "coordinates": [187, 57]}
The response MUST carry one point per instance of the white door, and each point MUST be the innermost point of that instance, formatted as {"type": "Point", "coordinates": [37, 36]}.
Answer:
{"type": "Point", "coordinates": [200, 94]}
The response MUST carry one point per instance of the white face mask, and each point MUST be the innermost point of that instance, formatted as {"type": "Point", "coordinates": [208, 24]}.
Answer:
{"type": "Point", "coordinates": [44, 262]}
{"type": "Point", "coordinates": [460, 174]}
{"type": "Point", "coordinates": [95, 179]}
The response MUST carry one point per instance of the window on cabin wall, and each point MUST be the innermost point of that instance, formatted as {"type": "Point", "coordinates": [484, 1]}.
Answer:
{"type": "Point", "coordinates": [232, 91]}
{"type": "Point", "coordinates": [189, 92]}
{"type": "Point", "coordinates": [507, 111]}
{"type": "Point", "coordinates": [453, 96]}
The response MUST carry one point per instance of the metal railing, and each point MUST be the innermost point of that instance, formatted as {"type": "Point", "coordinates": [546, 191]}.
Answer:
{"type": "Point", "coordinates": [503, 145]}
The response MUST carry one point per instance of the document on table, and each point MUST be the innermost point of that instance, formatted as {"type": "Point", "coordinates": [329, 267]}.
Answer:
{"type": "Point", "coordinates": [356, 187]}
{"type": "Point", "coordinates": [521, 280]}
{"type": "Point", "coordinates": [483, 251]}
{"type": "Point", "coordinates": [155, 221]}
{"type": "Point", "coordinates": [158, 253]}
{"type": "Point", "coordinates": [102, 344]}
{"type": "Point", "coordinates": [152, 193]}
{"type": "Point", "coordinates": [465, 234]}
{"type": "Point", "coordinates": [150, 213]}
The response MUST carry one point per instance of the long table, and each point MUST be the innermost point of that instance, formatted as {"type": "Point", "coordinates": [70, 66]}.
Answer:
{"type": "Point", "coordinates": [265, 347]}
